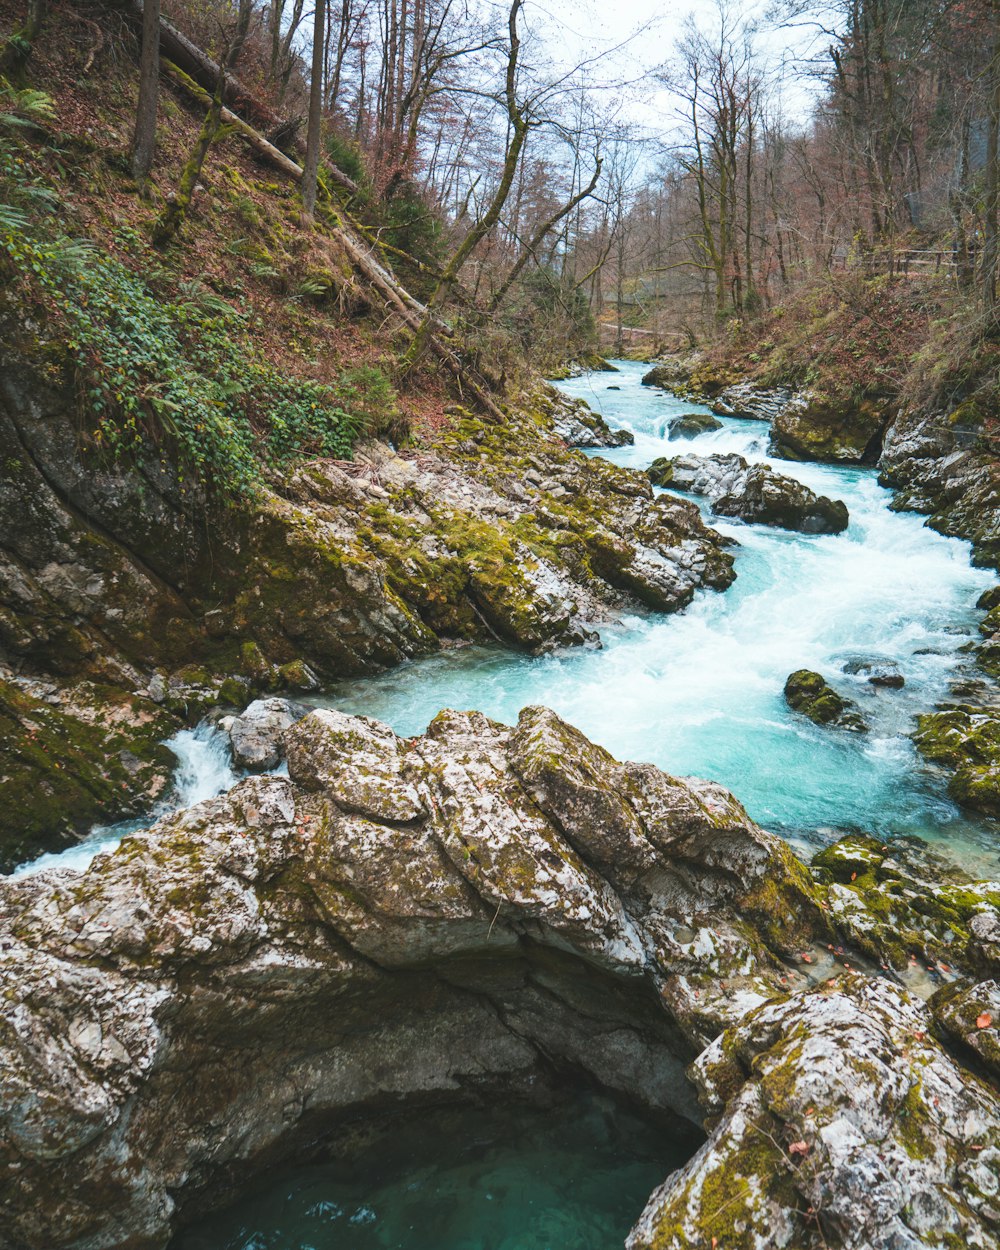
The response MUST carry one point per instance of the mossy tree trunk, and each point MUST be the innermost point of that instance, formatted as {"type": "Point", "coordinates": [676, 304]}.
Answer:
{"type": "Point", "coordinates": [17, 49]}
{"type": "Point", "coordinates": [172, 217]}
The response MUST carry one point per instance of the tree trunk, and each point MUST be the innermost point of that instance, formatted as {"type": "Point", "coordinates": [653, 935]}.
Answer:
{"type": "Point", "coordinates": [144, 139]}
{"type": "Point", "coordinates": [991, 208]}
{"type": "Point", "coordinates": [17, 49]}
{"type": "Point", "coordinates": [310, 170]}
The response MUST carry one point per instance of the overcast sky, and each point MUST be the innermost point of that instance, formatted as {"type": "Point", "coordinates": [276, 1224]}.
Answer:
{"type": "Point", "coordinates": [578, 29]}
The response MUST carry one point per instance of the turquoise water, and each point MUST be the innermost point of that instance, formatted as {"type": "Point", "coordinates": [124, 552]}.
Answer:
{"type": "Point", "coordinates": [505, 1178]}
{"type": "Point", "coordinates": [700, 692]}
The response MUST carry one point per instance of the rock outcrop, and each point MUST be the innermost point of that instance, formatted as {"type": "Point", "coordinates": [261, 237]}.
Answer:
{"type": "Point", "coordinates": [752, 403]}
{"type": "Point", "coordinates": [447, 917]}
{"type": "Point", "coordinates": [901, 904]}
{"type": "Point", "coordinates": [578, 425]}
{"type": "Point", "coordinates": [72, 757]}
{"type": "Point", "coordinates": [841, 1123]}
{"type": "Point", "coordinates": [966, 740]}
{"type": "Point", "coordinates": [938, 465]}
{"type": "Point", "coordinates": [810, 693]}
{"type": "Point", "coordinates": [754, 493]}
{"type": "Point", "coordinates": [126, 577]}
{"type": "Point", "coordinates": [395, 919]}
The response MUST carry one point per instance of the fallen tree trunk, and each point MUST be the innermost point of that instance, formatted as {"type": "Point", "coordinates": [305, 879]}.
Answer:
{"type": "Point", "coordinates": [414, 314]}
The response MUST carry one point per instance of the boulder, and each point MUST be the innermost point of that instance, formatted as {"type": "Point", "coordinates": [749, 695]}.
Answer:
{"type": "Point", "coordinates": [753, 493]}
{"type": "Point", "coordinates": [876, 670]}
{"type": "Point", "coordinates": [257, 735]}
{"type": "Point", "coordinates": [692, 424]}
{"type": "Point", "coordinates": [839, 1122]}
{"type": "Point", "coordinates": [813, 426]}
{"type": "Point", "coordinates": [712, 476]}
{"type": "Point", "coordinates": [444, 917]}
{"type": "Point", "coordinates": [809, 693]}
{"type": "Point", "coordinates": [965, 740]}
{"type": "Point", "coordinates": [768, 498]}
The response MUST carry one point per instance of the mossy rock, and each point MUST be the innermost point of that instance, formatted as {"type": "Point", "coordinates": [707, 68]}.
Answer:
{"type": "Point", "coordinates": [809, 693]}
{"type": "Point", "coordinates": [95, 758]}
{"type": "Point", "coordinates": [897, 899]}
{"type": "Point", "coordinates": [831, 429]}
{"type": "Point", "coordinates": [691, 425]}
{"type": "Point", "coordinates": [967, 741]}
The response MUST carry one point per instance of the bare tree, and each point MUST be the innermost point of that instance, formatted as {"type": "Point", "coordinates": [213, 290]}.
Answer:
{"type": "Point", "coordinates": [310, 169]}
{"type": "Point", "coordinates": [144, 137]}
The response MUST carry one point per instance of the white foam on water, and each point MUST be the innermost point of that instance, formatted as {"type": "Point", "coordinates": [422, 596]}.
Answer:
{"type": "Point", "coordinates": [204, 769]}
{"type": "Point", "coordinates": [701, 691]}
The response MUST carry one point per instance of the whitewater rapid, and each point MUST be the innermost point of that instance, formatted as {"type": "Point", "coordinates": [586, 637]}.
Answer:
{"type": "Point", "coordinates": [700, 692]}
{"type": "Point", "coordinates": [204, 769]}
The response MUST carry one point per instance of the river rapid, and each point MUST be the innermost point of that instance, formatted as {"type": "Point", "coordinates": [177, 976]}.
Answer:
{"type": "Point", "coordinates": [700, 692]}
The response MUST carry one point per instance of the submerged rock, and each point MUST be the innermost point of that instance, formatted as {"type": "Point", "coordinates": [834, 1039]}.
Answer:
{"type": "Point", "coordinates": [967, 741]}
{"type": "Point", "coordinates": [809, 693]}
{"type": "Point", "coordinates": [753, 493]}
{"type": "Point", "coordinates": [692, 424]}
{"type": "Point", "coordinates": [876, 670]}
{"type": "Point", "coordinates": [257, 735]}
{"type": "Point", "coordinates": [840, 1122]}
{"type": "Point", "coordinates": [432, 917]}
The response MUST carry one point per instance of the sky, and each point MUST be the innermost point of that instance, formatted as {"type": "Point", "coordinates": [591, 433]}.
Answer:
{"type": "Point", "coordinates": [574, 30]}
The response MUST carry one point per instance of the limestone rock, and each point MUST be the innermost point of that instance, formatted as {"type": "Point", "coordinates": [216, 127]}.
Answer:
{"type": "Point", "coordinates": [841, 1124]}
{"type": "Point", "coordinates": [431, 917]}
{"type": "Point", "coordinates": [768, 498]}
{"type": "Point", "coordinates": [72, 756]}
{"type": "Point", "coordinates": [810, 693]}
{"type": "Point", "coordinates": [257, 735]}
{"type": "Point", "coordinates": [692, 424]}
{"type": "Point", "coordinates": [578, 425]}
{"type": "Point", "coordinates": [842, 430]}
{"type": "Point", "coordinates": [900, 901]}
{"type": "Point", "coordinates": [969, 1016]}
{"type": "Point", "coordinates": [712, 476]}
{"type": "Point", "coordinates": [754, 493]}
{"type": "Point", "coordinates": [752, 403]}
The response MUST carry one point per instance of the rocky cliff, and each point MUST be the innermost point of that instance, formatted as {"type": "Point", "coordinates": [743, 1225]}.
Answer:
{"type": "Point", "coordinates": [456, 916]}
{"type": "Point", "coordinates": [127, 577]}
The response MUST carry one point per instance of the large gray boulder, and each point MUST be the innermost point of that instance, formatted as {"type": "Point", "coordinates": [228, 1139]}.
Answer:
{"type": "Point", "coordinates": [257, 735]}
{"type": "Point", "coordinates": [754, 493]}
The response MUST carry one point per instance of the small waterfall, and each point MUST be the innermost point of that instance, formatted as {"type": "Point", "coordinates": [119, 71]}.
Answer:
{"type": "Point", "coordinates": [204, 769]}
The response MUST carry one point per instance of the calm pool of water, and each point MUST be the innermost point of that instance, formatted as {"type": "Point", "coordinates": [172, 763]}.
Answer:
{"type": "Point", "coordinates": [570, 1177]}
